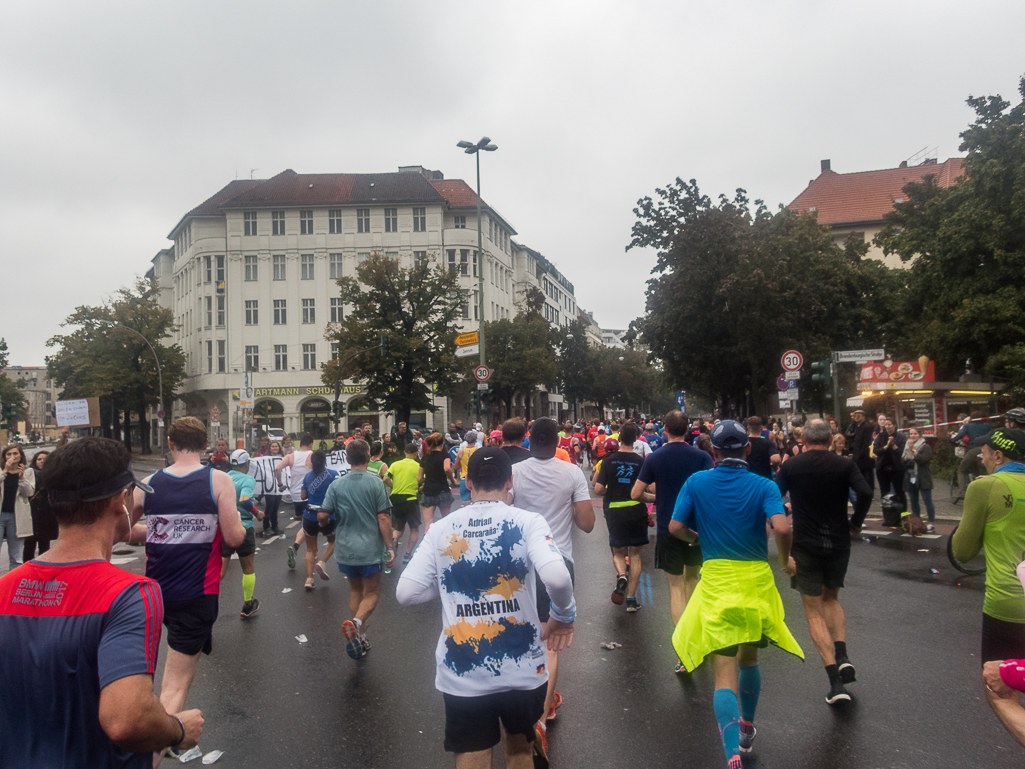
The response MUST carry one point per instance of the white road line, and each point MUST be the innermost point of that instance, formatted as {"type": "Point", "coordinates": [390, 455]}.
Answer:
{"type": "Point", "coordinates": [268, 541]}
{"type": "Point", "coordinates": [924, 536]}
{"type": "Point", "coordinates": [293, 524]}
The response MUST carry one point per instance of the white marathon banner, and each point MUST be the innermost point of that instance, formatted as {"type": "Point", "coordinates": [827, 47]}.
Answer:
{"type": "Point", "coordinates": [262, 469]}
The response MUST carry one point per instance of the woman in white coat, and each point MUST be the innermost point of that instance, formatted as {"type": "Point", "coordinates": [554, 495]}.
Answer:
{"type": "Point", "coordinates": [17, 485]}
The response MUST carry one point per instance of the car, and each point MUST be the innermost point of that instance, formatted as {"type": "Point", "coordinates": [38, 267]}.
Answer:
{"type": "Point", "coordinates": [275, 433]}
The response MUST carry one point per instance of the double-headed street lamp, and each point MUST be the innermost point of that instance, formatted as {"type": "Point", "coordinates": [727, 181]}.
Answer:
{"type": "Point", "coordinates": [474, 149]}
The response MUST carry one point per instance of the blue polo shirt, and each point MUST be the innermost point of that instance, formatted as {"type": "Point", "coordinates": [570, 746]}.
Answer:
{"type": "Point", "coordinates": [728, 506]}
{"type": "Point", "coordinates": [669, 468]}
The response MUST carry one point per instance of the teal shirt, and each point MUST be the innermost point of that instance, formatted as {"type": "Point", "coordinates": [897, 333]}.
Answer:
{"type": "Point", "coordinates": [356, 498]}
{"type": "Point", "coordinates": [245, 486]}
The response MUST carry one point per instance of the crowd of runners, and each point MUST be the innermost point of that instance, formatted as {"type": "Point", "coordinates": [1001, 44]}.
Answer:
{"type": "Point", "coordinates": [497, 509]}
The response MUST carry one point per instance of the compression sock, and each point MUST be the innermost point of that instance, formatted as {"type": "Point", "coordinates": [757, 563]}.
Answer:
{"type": "Point", "coordinates": [833, 671]}
{"type": "Point", "coordinates": [840, 649]}
{"type": "Point", "coordinates": [248, 583]}
{"type": "Point", "coordinates": [728, 716]}
{"type": "Point", "coordinates": [750, 688]}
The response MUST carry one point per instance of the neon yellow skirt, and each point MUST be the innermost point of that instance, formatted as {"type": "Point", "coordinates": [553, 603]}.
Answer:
{"type": "Point", "coordinates": [735, 602]}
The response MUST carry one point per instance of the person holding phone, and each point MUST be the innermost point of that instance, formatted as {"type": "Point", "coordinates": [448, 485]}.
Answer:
{"type": "Point", "coordinates": [17, 485]}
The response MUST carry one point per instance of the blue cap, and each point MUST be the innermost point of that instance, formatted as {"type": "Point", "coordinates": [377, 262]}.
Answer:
{"type": "Point", "coordinates": [729, 434]}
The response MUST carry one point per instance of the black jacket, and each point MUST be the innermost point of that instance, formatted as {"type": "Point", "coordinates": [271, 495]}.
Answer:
{"type": "Point", "coordinates": [859, 438]}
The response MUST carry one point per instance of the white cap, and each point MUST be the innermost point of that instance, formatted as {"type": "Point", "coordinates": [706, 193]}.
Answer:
{"type": "Point", "coordinates": [239, 457]}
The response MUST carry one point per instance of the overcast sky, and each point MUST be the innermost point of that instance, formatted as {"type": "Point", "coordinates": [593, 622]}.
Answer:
{"type": "Point", "coordinates": [120, 117]}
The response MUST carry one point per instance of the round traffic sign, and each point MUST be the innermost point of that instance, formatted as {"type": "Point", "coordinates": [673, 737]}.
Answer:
{"type": "Point", "coordinates": [161, 414]}
{"type": "Point", "coordinates": [215, 414]}
{"type": "Point", "coordinates": [781, 382]}
{"type": "Point", "coordinates": [483, 373]}
{"type": "Point", "coordinates": [792, 360]}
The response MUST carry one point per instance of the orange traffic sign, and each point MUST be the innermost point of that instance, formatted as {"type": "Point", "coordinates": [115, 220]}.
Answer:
{"type": "Point", "coordinates": [471, 338]}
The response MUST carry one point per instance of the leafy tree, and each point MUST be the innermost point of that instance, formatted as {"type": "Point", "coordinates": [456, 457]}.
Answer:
{"type": "Point", "coordinates": [577, 364]}
{"type": "Point", "coordinates": [417, 309]}
{"type": "Point", "coordinates": [520, 352]}
{"type": "Point", "coordinates": [100, 358]}
{"type": "Point", "coordinates": [9, 387]}
{"type": "Point", "coordinates": [965, 245]}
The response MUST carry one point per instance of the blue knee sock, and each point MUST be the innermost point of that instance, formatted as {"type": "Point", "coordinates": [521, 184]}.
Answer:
{"type": "Point", "coordinates": [728, 716]}
{"type": "Point", "coordinates": [750, 688]}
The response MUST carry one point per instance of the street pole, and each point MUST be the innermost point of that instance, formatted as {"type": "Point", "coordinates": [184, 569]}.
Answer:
{"type": "Point", "coordinates": [160, 386]}
{"type": "Point", "coordinates": [480, 273]}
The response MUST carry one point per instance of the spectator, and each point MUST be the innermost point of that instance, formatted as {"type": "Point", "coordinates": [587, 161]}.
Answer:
{"type": "Point", "coordinates": [917, 475]}
{"type": "Point", "coordinates": [44, 525]}
{"type": "Point", "coordinates": [889, 450]}
{"type": "Point", "coordinates": [17, 485]}
{"type": "Point", "coordinates": [838, 445]}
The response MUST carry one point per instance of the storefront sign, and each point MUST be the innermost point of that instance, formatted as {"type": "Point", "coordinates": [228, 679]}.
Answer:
{"type": "Point", "coordinates": [894, 372]}
{"type": "Point", "coordinates": [272, 392]}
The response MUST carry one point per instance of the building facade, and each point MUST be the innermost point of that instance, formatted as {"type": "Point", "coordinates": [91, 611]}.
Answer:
{"type": "Point", "coordinates": [40, 394]}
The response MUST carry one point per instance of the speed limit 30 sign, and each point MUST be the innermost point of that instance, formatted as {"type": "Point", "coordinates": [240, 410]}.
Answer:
{"type": "Point", "coordinates": [483, 373]}
{"type": "Point", "coordinates": [792, 360]}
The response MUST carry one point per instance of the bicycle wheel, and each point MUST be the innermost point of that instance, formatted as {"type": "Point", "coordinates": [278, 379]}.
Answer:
{"type": "Point", "coordinates": [976, 566]}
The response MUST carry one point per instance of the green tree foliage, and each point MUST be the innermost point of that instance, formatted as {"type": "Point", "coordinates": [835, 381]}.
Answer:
{"type": "Point", "coordinates": [9, 387]}
{"type": "Point", "coordinates": [521, 354]}
{"type": "Point", "coordinates": [734, 288]}
{"type": "Point", "coordinates": [101, 359]}
{"type": "Point", "coordinates": [418, 310]}
{"type": "Point", "coordinates": [965, 245]}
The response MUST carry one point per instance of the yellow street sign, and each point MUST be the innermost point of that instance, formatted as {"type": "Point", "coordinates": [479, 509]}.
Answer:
{"type": "Point", "coordinates": [464, 339]}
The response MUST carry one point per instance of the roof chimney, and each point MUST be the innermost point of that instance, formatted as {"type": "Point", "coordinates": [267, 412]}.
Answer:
{"type": "Point", "coordinates": [825, 165]}
{"type": "Point", "coordinates": [903, 164]}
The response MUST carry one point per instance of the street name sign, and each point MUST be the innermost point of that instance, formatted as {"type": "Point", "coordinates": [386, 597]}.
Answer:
{"type": "Point", "coordinates": [467, 351]}
{"type": "Point", "coordinates": [858, 356]}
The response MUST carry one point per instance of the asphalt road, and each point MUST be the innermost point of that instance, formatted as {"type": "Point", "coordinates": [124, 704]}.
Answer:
{"type": "Point", "coordinates": [271, 701]}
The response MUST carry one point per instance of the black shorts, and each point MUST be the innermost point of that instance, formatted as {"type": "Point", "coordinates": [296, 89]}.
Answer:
{"type": "Point", "coordinates": [313, 528]}
{"type": "Point", "coordinates": [299, 507]}
{"type": "Point", "coordinates": [544, 601]}
{"type": "Point", "coordinates": [472, 723]}
{"type": "Point", "coordinates": [672, 554]}
{"type": "Point", "coordinates": [628, 526]}
{"type": "Point", "coordinates": [1002, 640]}
{"type": "Point", "coordinates": [405, 511]}
{"type": "Point", "coordinates": [248, 546]}
{"type": "Point", "coordinates": [818, 570]}
{"type": "Point", "coordinates": [190, 624]}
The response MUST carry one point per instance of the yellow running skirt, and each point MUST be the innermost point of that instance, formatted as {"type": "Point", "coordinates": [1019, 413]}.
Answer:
{"type": "Point", "coordinates": [735, 602]}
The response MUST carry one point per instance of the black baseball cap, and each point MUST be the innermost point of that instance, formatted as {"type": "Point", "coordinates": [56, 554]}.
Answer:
{"type": "Point", "coordinates": [489, 466]}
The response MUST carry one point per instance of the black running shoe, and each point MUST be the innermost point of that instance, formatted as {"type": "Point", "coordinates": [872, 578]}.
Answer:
{"type": "Point", "coordinates": [618, 595]}
{"type": "Point", "coordinates": [632, 605]}
{"type": "Point", "coordinates": [846, 670]}
{"type": "Point", "coordinates": [837, 694]}
{"type": "Point", "coordinates": [249, 608]}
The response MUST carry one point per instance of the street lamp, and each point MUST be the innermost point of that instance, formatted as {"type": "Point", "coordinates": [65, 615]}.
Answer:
{"type": "Point", "coordinates": [474, 149]}
{"type": "Point", "coordinates": [160, 385]}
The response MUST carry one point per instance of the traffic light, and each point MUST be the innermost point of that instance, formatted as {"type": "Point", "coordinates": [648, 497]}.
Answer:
{"type": "Point", "coordinates": [821, 373]}
{"type": "Point", "coordinates": [8, 413]}
{"type": "Point", "coordinates": [385, 346]}
{"type": "Point", "coordinates": [338, 409]}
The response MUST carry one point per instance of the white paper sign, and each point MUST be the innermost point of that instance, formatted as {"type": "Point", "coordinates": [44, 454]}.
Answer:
{"type": "Point", "coordinates": [72, 413]}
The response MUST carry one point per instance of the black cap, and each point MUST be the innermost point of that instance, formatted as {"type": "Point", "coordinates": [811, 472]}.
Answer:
{"type": "Point", "coordinates": [489, 466]}
{"type": "Point", "coordinates": [1009, 440]}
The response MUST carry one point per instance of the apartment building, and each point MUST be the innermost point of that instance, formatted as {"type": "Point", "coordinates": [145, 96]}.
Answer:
{"type": "Point", "coordinates": [40, 394]}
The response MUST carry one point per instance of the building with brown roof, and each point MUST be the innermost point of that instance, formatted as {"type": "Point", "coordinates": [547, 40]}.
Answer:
{"type": "Point", "coordinates": [855, 203]}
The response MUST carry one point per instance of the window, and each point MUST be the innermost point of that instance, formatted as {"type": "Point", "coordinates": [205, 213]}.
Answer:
{"type": "Point", "coordinates": [209, 357]}
{"type": "Point", "coordinates": [491, 229]}
{"type": "Point", "coordinates": [252, 312]}
{"type": "Point", "coordinates": [362, 256]}
{"type": "Point", "coordinates": [336, 310]}
{"type": "Point", "coordinates": [305, 222]}
{"type": "Point", "coordinates": [281, 357]}
{"type": "Point", "coordinates": [391, 220]}
{"type": "Point", "coordinates": [309, 357]}
{"type": "Point", "coordinates": [280, 312]}
{"type": "Point", "coordinates": [221, 355]}
{"type": "Point", "coordinates": [362, 220]}
{"type": "Point", "coordinates": [207, 267]}
{"type": "Point", "coordinates": [277, 221]}
{"type": "Point", "coordinates": [219, 276]}
{"type": "Point", "coordinates": [419, 220]}
{"type": "Point", "coordinates": [306, 266]}
{"type": "Point", "coordinates": [209, 311]}
{"type": "Point", "coordinates": [251, 268]}
{"type": "Point", "coordinates": [419, 257]}
{"type": "Point", "coordinates": [334, 221]}
{"type": "Point", "coordinates": [475, 264]}
{"type": "Point", "coordinates": [334, 351]}
{"type": "Point", "coordinates": [466, 309]}
{"type": "Point", "coordinates": [250, 222]}
{"type": "Point", "coordinates": [460, 222]}
{"type": "Point", "coordinates": [476, 306]}
{"type": "Point", "coordinates": [309, 311]}
{"type": "Point", "coordinates": [393, 255]}
{"type": "Point", "coordinates": [252, 358]}
{"type": "Point", "coordinates": [464, 258]}
{"type": "Point", "coordinates": [220, 310]}
{"type": "Point", "coordinates": [335, 266]}
{"type": "Point", "coordinates": [279, 267]}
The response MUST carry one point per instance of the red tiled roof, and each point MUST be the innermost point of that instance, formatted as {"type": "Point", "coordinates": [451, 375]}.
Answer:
{"type": "Point", "coordinates": [868, 195]}
{"type": "Point", "coordinates": [290, 188]}
{"type": "Point", "coordinates": [458, 193]}
{"type": "Point", "coordinates": [212, 205]}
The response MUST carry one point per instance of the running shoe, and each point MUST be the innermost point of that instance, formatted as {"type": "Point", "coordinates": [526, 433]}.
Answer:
{"type": "Point", "coordinates": [679, 668]}
{"type": "Point", "coordinates": [291, 556]}
{"type": "Point", "coordinates": [310, 584]}
{"type": "Point", "coordinates": [846, 670]}
{"type": "Point", "coordinates": [249, 608]}
{"type": "Point", "coordinates": [651, 520]}
{"type": "Point", "coordinates": [735, 763]}
{"type": "Point", "coordinates": [837, 693]}
{"type": "Point", "coordinates": [930, 529]}
{"type": "Point", "coordinates": [407, 558]}
{"type": "Point", "coordinates": [321, 571]}
{"type": "Point", "coordinates": [353, 644]}
{"type": "Point", "coordinates": [747, 736]}
{"type": "Point", "coordinates": [632, 605]}
{"type": "Point", "coordinates": [540, 746]}
{"type": "Point", "coordinates": [620, 591]}
{"type": "Point", "coordinates": [556, 702]}
{"type": "Point", "coordinates": [365, 643]}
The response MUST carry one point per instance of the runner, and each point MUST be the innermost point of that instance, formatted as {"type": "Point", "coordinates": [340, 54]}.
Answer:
{"type": "Point", "coordinates": [462, 458]}
{"type": "Point", "coordinates": [299, 464]}
{"type": "Point", "coordinates": [513, 433]}
{"type": "Point", "coordinates": [819, 484]}
{"type": "Point", "coordinates": [435, 479]}
{"type": "Point", "coordinates": [377, 464]}
{"type": "Point", "coordinates": [735, 608]}
{"type": "Point", "coordinates": [359, 501]}
{"type": "Point", "coordinates": [315, 521]}
{"type": "Point", "coordinates": [484, 558]}
{"type": "Point", "coordinates": [627, 519]}
{"type": "Point", "coordinates": [598, 444]}
{"type": "Point", "coordinates": [402, 480]}
{"type": "Point", "coordinates": [764, 458]}
{"type": "Point", "coordinates": [189, 512]}
{"type": "Point", "coordinates": [245, 488]}
{"type": "Point", "coordinates": [558, 491]}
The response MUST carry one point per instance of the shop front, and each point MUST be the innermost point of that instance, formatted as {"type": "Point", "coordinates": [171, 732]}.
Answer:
{"type": "Point", "coordinates": [315, 418]}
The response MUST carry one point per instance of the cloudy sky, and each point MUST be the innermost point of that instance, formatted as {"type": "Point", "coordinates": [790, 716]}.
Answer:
{"type": "Point", "coordinates": [119, 117]}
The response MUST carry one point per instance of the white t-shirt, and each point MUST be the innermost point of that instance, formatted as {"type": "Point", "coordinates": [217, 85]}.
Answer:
{"type": "Point", "coordinates": [483, 559]}
{"type": "Point", "coordinates": [551, 487]}
{"type": "Point", "coordinates": [641, 448]}
{"type": "Point", "coordinates": [299, 470]}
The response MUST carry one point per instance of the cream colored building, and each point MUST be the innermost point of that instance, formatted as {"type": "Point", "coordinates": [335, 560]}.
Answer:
{"type": "Point", "coordinates": [40, 394]}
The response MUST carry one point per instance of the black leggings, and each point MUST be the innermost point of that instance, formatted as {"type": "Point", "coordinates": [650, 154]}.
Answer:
{"type": "Point", "coordinates": [270, 520]}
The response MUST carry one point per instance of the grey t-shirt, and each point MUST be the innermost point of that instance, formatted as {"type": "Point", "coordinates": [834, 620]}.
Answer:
{"type": "Point", "coordinates": [551, 487]}
{"type": "Point", "coordinates": [356, 498]}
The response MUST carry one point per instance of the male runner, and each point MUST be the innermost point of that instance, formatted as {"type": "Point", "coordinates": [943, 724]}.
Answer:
{"type": "Point", "coordinates": [401, 479]}
{"type": "Point", "coordinates": [513, 432]}
{"type": "Point", "coordinates": [316, 521]}
{"type": "Point", "coordinates": [558, 491]}
{"type": "Point", "coordinates": [764, 457]}
{"type": "Point", "coordinates": [79, 637]}
{"type": "Point", "coordinates": [359, 501]}
{"type": "Point", "coordinates": [819, 483]}
{"type": "Point", "coordinates": [481, 561]}
{"type": "Point", "coordinates": [299, 464]}
{"type": "Point", "coordinates": [245, 488]}
{"type": "Point", "coordinates": [189, 512]}
{"type": "Point", "coordinates": [668, 469]}
{"type": "Point", "coordinates": [994, 519]}
{"type": "Point", "coordinates": [735, 608]}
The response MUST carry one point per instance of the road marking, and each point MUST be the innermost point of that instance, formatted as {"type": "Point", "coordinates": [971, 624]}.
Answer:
{"type": "Point", "coordinates": [268, 541]}
{"type": "Point", "coordinates": [924, 536]}
{"type": "Point", "coordinates": [875, 533]}
{"type": "Point", "coordinates": [293, 524]}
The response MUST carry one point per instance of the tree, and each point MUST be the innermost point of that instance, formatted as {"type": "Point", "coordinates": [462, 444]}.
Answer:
{"type": "Point", "coordinates": [9, 387]}
{"type": "Point", "coordinates": [577, 364]}
{"type": "Point", "coordinates": [100, 358]}
{"type": "Point", "coordinates": [417, 310]}
{"type": "Point", "coordinates": [521, 355]}
{"type": "Point", "coordinates": [965, 245]}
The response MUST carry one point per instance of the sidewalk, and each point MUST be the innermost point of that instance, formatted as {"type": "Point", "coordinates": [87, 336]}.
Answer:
{"type": "Point", "coordinates": [948, 514]}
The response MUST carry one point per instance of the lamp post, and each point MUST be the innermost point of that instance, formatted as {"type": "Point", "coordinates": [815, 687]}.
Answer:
{"type": "Point", "coordinates": [475, 149]}
{"type": "Point", "coordinates": [160, 385]}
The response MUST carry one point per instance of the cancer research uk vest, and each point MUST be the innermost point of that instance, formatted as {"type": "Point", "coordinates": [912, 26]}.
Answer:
{"type": "Point", "coordinates": [183, 538]}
